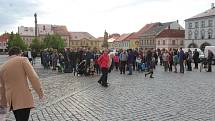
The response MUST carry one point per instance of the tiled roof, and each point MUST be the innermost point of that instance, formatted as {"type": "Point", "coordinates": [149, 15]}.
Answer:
{"type": "Point", "coordinates": [210, 12]}
{"type": "Point", "coordinates": [81, 35]}
{"type": "Point", "coordinates": [157, 28]}
{"type": "Point", "coordinates": [123, 37]}
{"type": "Point", "coordinates": [172, 33]}
{"type": "Point", "coordinates": [141, 31]}
{"type": "Point", "coordinates": [100, 38]}
{"type": "Point", "coordinates": [113, 39]}
{"type": "Point", "coordinates": [4, 37]}
{"type": "Point", "coordinates": [61, 30]}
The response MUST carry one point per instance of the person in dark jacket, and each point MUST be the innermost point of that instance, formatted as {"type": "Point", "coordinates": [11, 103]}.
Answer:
{"type": "Point", "coordinates": [196, 58]}
{"type": "Point", "coordinates": [67, 61]}
{"type": "Point", "coordinates": [150, 60]}
{"type": "Point", "coordinates": [130, 61]}
{"type": "Point", "coordinates": [73, 62]}
{"type": "Point", "coordinates": [181, 56]}
{"type": "Point", "coordinates": [210, 59]}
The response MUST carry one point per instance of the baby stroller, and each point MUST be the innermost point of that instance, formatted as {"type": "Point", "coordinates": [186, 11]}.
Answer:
{"type": "Point", "coordinates": [81, 68]}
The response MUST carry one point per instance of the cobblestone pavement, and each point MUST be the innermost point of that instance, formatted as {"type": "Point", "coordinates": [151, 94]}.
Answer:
{"type": "Point", "coordinates": [167, 97]}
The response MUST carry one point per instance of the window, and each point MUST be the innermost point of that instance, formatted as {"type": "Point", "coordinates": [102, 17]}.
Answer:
{"type": "Point", "coordinates": [203, 34]}
{"type": "Point", "coordinates": [203, 24]}
{"type": "Point", "coordinates": [196, 24]}
{"type": "Point", "coordinates": [159, 42]}
{"type": "Point", "coordinates": [196, 34]}
{"type": "Point", "coordinates": [181, 42]}
{"type": "Point", "coordinates": [4, 43]}
{"type": "Point", "coordinates": [173, 42]}
{"type": "Point", "coordinates": [44, 27]}
{"type": "Point", "coordinates": [190, 25]}
{"type": "Point", "coordinates": [210, 23]}
{"type": "Point", "coordinates": [164, 42]}
{"type": "Point", "coordinates": [210, 31]}
{"type": "Point", "coordinates": [190, 35]}
{"type": "Point", "coordinates": [0, 43]}
{"type": "Point", "coordinates": [92, 43]}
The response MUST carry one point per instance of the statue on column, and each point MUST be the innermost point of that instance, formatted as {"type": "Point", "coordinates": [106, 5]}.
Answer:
{"type": "Point", "coordinates": [35, 17]}
{"type": "Point", "coordinates": [105, 43]}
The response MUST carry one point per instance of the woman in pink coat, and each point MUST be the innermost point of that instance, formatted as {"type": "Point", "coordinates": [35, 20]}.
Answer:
{"type": "Point", "coordinates": [104, 63]}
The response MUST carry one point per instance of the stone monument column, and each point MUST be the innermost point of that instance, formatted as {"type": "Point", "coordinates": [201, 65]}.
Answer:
{"type": "Point", "coordinates": [105, 43]}
{"type": "Point", "coordinates": [35, 17]}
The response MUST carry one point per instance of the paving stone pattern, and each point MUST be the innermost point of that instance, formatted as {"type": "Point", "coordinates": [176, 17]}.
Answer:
{"type": "Point", "coordinates": [167, 97]}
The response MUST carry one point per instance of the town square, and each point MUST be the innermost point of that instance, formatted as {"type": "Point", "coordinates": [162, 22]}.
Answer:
{"type": "Point", "coordinates": [87, 61]}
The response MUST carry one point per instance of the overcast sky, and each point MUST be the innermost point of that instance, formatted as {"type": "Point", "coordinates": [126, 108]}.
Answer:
{"type": "Point", "coordinates": [94, 16]}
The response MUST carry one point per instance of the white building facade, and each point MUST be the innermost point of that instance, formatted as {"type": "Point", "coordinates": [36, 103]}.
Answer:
{"type": "Point", "coordinates": [200, 29]}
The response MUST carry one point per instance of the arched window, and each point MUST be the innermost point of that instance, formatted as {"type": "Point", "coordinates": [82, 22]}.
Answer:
{"type": "Point", "coordinates": [159, 42]}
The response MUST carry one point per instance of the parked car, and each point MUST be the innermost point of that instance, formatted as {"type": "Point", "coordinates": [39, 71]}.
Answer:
{"type": "Point", "coordinates": [201, 53]}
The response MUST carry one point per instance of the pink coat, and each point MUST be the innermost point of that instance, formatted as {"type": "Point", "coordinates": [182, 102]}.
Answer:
{"type": "Point", "coordinates": [103, 60]}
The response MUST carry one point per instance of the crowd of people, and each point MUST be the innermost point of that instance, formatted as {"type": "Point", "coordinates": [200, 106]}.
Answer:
{"type": "Point", "coordinates": [86, 61]}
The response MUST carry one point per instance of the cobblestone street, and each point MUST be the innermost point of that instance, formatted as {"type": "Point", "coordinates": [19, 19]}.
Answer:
{"type": "Point", "coordinates": [167, 97]}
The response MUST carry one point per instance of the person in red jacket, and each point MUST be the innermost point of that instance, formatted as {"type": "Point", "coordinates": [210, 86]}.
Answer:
{"type": "Point", "coordinates": [104, 63]}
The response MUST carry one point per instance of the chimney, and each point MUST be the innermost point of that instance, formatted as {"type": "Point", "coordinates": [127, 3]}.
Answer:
{"type": "Point", "coordinates": [177, 21]}
{"type": "Point", "coordinates": [212, 5]}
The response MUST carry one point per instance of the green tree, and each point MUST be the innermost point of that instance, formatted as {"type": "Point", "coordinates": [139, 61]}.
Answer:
{"type": "Point", "coordinates": [16, 40]}
{"type": "Point", "coordinates": [54, 41]}
{"type": "Point", "coordinates": [36, 45]}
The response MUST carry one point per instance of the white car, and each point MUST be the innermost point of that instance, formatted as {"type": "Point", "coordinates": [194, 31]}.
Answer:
{"type": "Point", "coordinates": [201, 53]}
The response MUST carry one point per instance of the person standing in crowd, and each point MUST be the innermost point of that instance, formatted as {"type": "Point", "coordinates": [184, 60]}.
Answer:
{"type": "Point", "coordinates": [175, 60]}
{"type": "Point", "coordinates": [156, 57]}
{"type": "Point", "coordinates": [116, 61]}
{"type": "Point", "coordinates": [103, 61]}
{"type": "Point", "coordinates": [15, 92]}
{"type": "Point", "coordinates": [210, 59]}
{"type": "Point", "coordinates": [30, 58]}
{"type": "Point", "coordinates": [165, 57]}
{"type": "Point", "coordinates": [189, 60]}
{"type": "Point", "coordinates": [46, 58]}
{"type": "Point", "coordinates": [170, 60]}
{"type": "Point", "coordinates": [34, 55]}
{"type": "Point", "coordinates": [160, 53]}
{"type": "Point", "coordinates": [54, 57]}
{"type": "Point", "coordinates": [67, 61]}
{"type": "Point", "coordinates": [130, 61]}
{"type": "Point", "coordinates": [196, 58]}
{"type": "Point", "coordinates": [135, 53]}
{"type": "Point", "coordinates": [73, 58]}
{"type": "Point", "coordinates": [98, 70]}
{"type": "Point", "coordinates": [123, 58]}
{"type": "Point", "coordinates": [150, 60]}
{"type": "Point", "coordinates": [181, 60]}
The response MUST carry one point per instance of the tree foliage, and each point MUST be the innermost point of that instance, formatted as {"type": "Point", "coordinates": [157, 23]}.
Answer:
{"type": "Point", "coordinates": [16, 40]}
{"type": "Point", "coordinates": [36, 45]}
{"type": "Point", "coordinates": [54, 41]}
